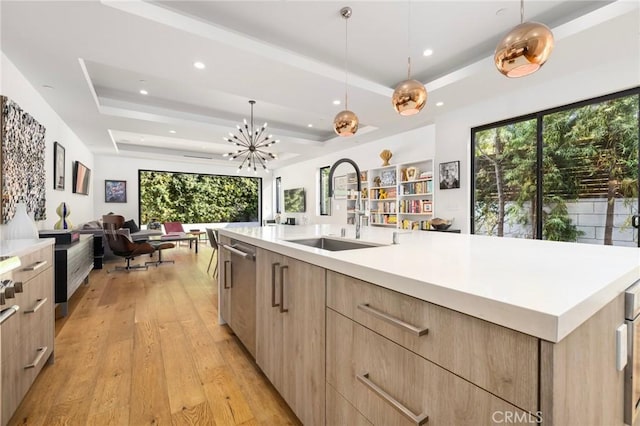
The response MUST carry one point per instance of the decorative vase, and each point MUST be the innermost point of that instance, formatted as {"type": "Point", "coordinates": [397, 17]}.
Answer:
{"type": "Point", "coordinates": [386, 156]}
{"type": "Point", "coordinates": [22, 226]}
{"type": "Point", "coordinates": [63, 211]}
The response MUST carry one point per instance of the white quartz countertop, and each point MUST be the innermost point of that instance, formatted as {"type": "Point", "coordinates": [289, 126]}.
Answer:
{"type": "Point", "coordinates": [21, 247]}
{"type": "Point", "coordinates": [542, 288]}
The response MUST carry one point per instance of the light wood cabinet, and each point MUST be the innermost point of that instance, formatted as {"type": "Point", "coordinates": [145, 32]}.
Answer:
{"type": "Point", "coordinates": [28, 341]}
{"type": "Point", "coordinates": [498, 359]}
{"type": "Point", "coordinates": [291, 332]}
{"type": "Point", "coordinates": [341, 412]}
{"type": "Point", "coordinates": [238, 292]}
{"type": "Point", "coordinates": [391, 385]}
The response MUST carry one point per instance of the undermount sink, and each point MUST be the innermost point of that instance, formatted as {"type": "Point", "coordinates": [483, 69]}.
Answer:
{"type": "Point", "coordinates": [334, 244]}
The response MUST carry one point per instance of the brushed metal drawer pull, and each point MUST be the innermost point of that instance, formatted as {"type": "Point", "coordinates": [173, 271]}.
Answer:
{"type": "Point", "coordinates": [393, 320]}
{"type": "Point", "coordinates": [41, 352]}
{"type": "Point", "coordinates": [39, 305]}
{"type": "Point", "coordinates": [274, 266]}
{"type": "Point", "coordinates": [36, 266]}
{"type": "Point", "coordinates": [224, 281]}
{"type": "Point", "coordinates": [418, 419]}
{"type": "Point", "coordinates": [282, 309]}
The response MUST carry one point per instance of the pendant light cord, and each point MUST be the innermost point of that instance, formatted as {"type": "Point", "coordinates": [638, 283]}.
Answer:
{"type": "Point", "coordinates": [346, 70]}
{"type": "Point", "coordinates": [521, 11]}
{"type": "Point", "coordinates": [409, 40]}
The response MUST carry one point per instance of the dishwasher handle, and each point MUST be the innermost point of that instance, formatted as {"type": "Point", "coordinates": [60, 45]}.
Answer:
{"type": "Point", "coordinates": [241, 253]}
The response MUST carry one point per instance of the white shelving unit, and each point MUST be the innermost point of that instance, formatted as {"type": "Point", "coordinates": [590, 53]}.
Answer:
{"type": "Point", "coordinates": [395, 196]}
{"type": "Point", "coordinates": [415, 195]}
{"type": "Point", "coordinates": [383, 192]}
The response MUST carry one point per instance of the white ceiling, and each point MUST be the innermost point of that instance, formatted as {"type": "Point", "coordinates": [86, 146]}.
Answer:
{"type": "Point", "coordinates": [287, 55]}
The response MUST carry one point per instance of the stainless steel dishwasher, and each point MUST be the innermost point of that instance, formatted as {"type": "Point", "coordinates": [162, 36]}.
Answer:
{"type": "Point", "coordinates": [238, 291]}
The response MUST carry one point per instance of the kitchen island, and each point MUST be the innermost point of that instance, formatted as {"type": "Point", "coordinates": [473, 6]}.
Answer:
{"type": "Point", "coordinates": [532, 323]}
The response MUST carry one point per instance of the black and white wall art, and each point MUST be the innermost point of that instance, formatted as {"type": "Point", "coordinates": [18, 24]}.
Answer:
{"type": "Point", "coordinates": [23, 152]}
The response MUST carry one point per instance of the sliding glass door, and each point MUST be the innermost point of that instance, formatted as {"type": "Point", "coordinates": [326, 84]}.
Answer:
{"type": "Point", "coordinates": [568, 174]}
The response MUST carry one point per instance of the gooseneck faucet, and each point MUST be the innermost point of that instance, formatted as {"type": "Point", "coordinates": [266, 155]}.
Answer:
{"type": "Point", "coordinates": [358, 211]}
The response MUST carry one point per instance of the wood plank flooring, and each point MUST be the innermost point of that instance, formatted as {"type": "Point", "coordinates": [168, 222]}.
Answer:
{"type": "Point", "coordinates": [145, 347]}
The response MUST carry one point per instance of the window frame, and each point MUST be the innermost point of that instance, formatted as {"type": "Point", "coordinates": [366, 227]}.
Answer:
{"type": "Point", "coordinates": [539, 117]}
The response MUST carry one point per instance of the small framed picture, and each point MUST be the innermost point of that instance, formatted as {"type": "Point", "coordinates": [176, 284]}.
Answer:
{"type": "Point", "coordinates": [450, 175]}
{"type": "Point", "coordinates": [340, 187]}
{"type": "Point", "coordinates": [412, 173]}
{"type": "Point", "coordinates": [388, 177]}
{"type": "Point", "coordinates": [58, 166]}
{"type": "Point", "coordinates": [427, 206]}
{"type": "Point", "coordinates": [115, 191]}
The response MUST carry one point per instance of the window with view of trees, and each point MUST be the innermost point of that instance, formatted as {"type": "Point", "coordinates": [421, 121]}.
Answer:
{"type": "Point", "coordinates": [567, 174]}
{"type": "Point", "coordinates": [325, 199]}
{"type": "Point", "coordinates": [198, 198]}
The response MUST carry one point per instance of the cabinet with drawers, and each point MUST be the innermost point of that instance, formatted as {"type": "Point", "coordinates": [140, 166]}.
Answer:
{"type": "Point", "coordinates": [27, 341]}
{"type": "Point", "coordinates": [74, 262]}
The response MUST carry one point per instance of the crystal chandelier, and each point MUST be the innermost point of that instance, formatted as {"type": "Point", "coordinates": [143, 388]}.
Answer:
{"type": "Point", "coordinates": [252, 143]}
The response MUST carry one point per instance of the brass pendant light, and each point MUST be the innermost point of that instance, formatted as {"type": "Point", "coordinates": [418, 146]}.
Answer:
{"type": "Point", "coordinates": [409, 96]}
{"type": "Point", "coordinates": [345, 122]}
{"type": "Point", "coordinates": [524, 49]}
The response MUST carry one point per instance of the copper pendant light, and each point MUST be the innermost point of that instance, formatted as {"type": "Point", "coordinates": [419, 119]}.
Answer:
{"type": "Point", "coordinates": [345, 122]}
{"type": "Point", "coordinates": [409, 96]}
{"type": "Point", "coordinates": [524, 49]}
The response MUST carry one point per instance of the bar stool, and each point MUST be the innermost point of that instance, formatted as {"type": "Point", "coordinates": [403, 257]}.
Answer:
{"type": "Point", "coordinates": [213, 242]}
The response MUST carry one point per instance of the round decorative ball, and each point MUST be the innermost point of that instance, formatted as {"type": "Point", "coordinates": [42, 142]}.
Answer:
{"type": "Point", "coordinates": [345, 123]}
{"type": "Point", "coordinates": [409, 97]}
{"type": "Point", "coordinates": [63, 211]}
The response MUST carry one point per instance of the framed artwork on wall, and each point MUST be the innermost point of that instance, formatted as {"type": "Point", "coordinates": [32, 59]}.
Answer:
{"type": "Point", "coordinates": [58, 166]}
{"type": "Point", "coordinates": [450, 175]}
{"type": "Point", "coordinates": [340, 187]}
{"type": "Point", "coordinates": [115, 191]}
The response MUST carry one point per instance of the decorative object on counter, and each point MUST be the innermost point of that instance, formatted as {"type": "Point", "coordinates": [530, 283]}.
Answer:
{"type": "Point", "coordinates": [412, 173]}
{"type": "Point", "coordinates": [524, 49]}
{"type": "Point", "coordinates": [441, 224]}
{"type": "Point", "coordinates": [409, 96]}
{"type": "Point", "coordinates": [277, 218]}
{"type": "Point", "coordinates": [58, 166]}
{"type": "Point", "coordinates": [154, 224]}
{"type": "Point", "coordinates": [386, 156]}
{"type": "Point", "coordinates": [252, 144]}
{"type": "Point", "coordinates": [63, 212]}
{"type": "Point", "coordinates": [115, 191]}
{"type": "Point", "coordinates": [450, 175]}
{"type": "Point", "coordinates": [345, 122]}
{"type": "Point", "coordinates": [23, 151]}
{"type": "Point", "coordinates": [21, 226]}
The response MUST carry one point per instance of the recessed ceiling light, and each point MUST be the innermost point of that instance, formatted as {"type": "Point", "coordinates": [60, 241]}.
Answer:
{"type": "Point", "coordinates": [141, 139]}
{"type": "Point", "coordinates": [199, 65]}
{"type": "Point", "coordinates": [309, 125]}
{"type": "Point", "coordinates": [143, 92]}
{"type": "Point", "coordinates": [439, 103]}
{"type": "Point", "coordinates": [428, 52]}
{"type": "Point", "coordinates": [336, 102]}
{"type": "Point", "coordinates": [172, 131]}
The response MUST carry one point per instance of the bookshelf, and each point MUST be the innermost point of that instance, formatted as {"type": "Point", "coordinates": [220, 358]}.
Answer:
{"type": "Point", "coordinates": [415, 198]}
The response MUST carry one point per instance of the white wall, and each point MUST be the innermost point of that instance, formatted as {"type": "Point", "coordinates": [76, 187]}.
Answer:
{"type": "Point", "coordinates": [120, 167]}
{"type": "Point", "coordinates": [15, 86]}
{"type": "Point", "coordinates": [406, 147]}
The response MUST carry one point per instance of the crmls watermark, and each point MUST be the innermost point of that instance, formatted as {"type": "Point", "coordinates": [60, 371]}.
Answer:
{"type": "Point", "coordinates": [513, 417]}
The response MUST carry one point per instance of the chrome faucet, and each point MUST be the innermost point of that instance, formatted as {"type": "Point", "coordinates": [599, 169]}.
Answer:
{"type": "Point", "coordinates": [358, 211]}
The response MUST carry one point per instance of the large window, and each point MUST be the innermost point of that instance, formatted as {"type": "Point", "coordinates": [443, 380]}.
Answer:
{"type": "Point", "coordinates": [567, 174]}
{"type": "Point", "coordinates": [198, 198]}
{"type": "Point", "coordinates": [325, 198]}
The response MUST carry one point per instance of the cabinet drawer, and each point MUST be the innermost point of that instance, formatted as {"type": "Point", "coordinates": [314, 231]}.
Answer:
{"type": "Point", "coordinates": [341, 412]}
{"type": "Point", "coordinates": [500, 360]}
{"type": "Point", "coordinates": [373, 372]}
{"type": "Point", "coordinates": [34, 263]}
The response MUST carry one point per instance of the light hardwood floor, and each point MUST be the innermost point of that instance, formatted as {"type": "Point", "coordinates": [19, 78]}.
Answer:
{"type": "Point", "coordinates": [145, 348]}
